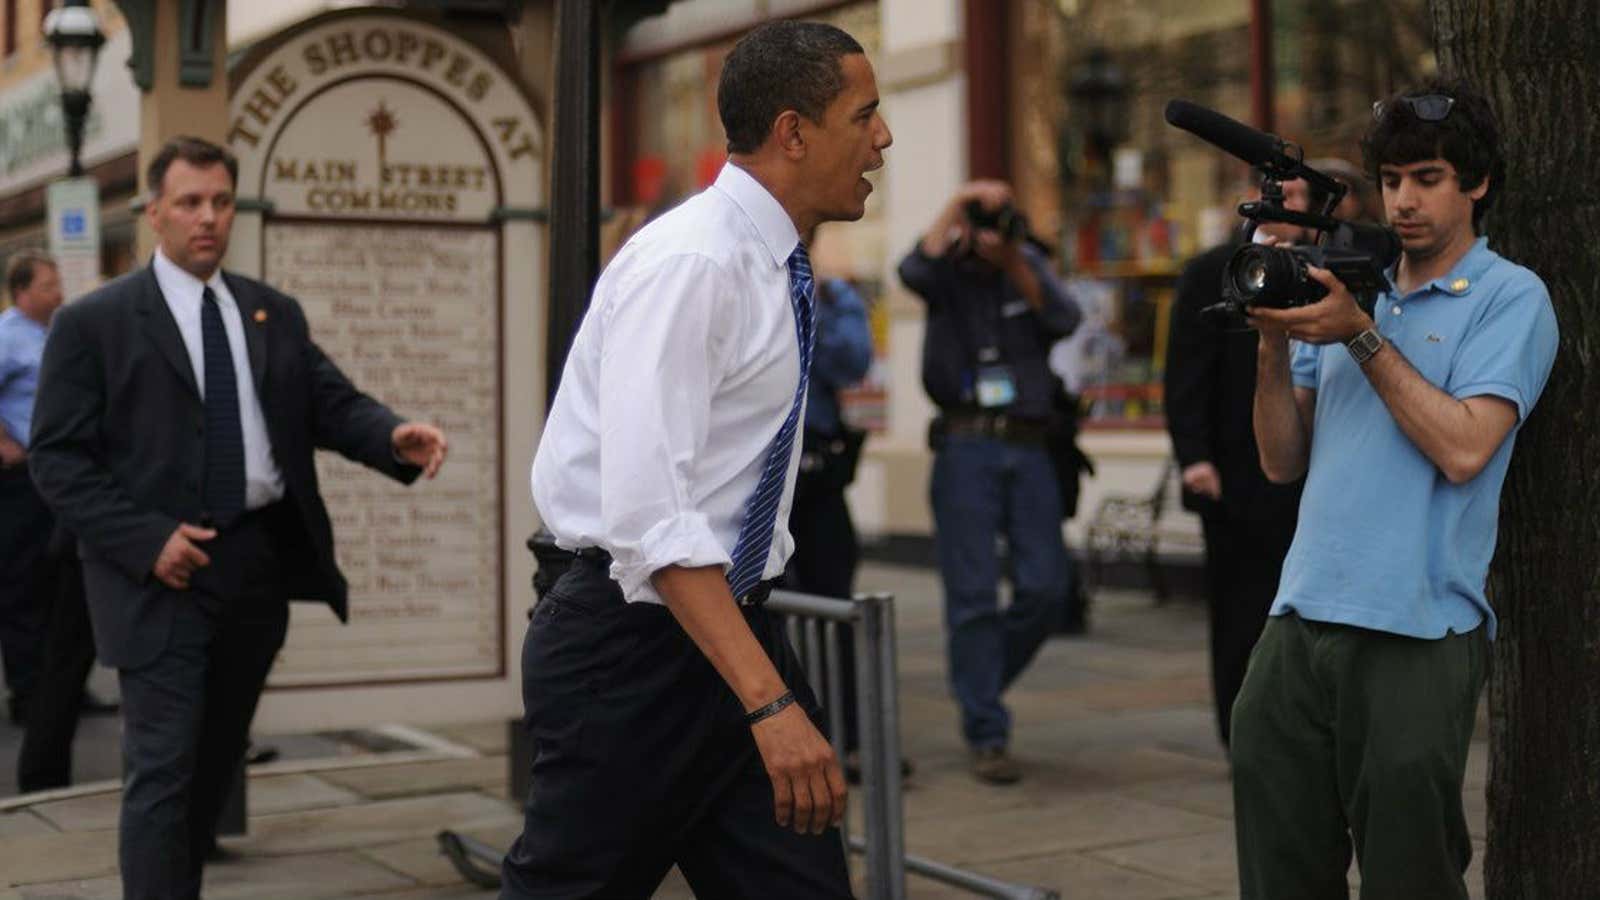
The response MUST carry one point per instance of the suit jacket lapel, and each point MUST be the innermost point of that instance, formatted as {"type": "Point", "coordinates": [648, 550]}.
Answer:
{"type": "Point", "coordinates": [163, 331]}
{"type": "Point", "coordinates": [253, 316]}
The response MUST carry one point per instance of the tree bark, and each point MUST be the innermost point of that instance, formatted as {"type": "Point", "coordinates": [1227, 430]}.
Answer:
{"type": "Point", "coordinates": [1535, 60]}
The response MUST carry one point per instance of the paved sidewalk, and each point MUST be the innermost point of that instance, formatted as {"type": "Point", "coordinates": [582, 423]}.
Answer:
{"type": "Point", "coordinates": [1126, 793]}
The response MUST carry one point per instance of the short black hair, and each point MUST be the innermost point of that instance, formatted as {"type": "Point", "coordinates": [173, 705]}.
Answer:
{"type": "Point", "coordinates": [194, 151]}
{"type": "Point", "coordinates": [23, 267]}
{"type": "Point", "coordinates": [780, 66]}
{"type": "Point", "coordinates": [1468, 137]}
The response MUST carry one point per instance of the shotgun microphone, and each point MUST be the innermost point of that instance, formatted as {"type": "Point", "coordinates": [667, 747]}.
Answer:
{"type": "Point", "coordinates": [1257, 148]}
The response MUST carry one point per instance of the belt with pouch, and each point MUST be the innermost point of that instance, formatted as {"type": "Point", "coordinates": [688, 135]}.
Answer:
{"type": "Point", "coordinates": [756, 596]}
{"type": "Point", "coordinates": [1000, 426]}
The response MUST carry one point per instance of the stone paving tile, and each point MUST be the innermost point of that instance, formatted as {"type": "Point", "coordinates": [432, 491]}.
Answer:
{"type": "Point", "coordinates": [22, 822]}
{"type": "Point", "coordinates": [454, 892]}
{"type": "Point", "coordinates": [486, 773]}
{"type": "Point", "coordinates": [45, 858]}
{"type": "Point", "coordinates": [92, 812]}
{"type": "Point", "coordinates": [421, 860]}
{"type": "Point", "coordinates": [1213, 797]}
{"type": "Point", "coordinates": [371, 824]}
{"type": "Point", "coordinates": [1087, 821]}
{"type": "Point", "coordinates": [488, 738]}
{"type": "Point", "coordinates": [1206, 859]}
{"type": "Point", "coordinates": [269, 794]}
{"type": "Point", "coordinates": [312, 877]}
{"type": "Point", "coordinates": [1477, 764]}
{"type": "Point", "coordinates": [1082, 877]}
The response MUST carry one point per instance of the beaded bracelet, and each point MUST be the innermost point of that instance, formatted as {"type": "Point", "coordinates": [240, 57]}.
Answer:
{"type": "Point", "coordinates": [770, 710]}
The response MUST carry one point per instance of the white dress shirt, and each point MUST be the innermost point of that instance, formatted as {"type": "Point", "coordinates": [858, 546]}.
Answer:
{"type": "Point", "coordinates": [263, 482]}
{"type": "Point", "coordinates": [680, 376]}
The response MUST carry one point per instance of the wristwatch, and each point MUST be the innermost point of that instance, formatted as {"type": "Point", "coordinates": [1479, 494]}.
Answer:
{"type": "Point", "coordinates": [1364, 346]}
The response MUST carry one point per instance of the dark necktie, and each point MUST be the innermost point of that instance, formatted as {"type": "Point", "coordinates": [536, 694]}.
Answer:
{"type": "Point", "coordinates": [224, 465]}
{"type": "Point", "coordinates": [754, 545]}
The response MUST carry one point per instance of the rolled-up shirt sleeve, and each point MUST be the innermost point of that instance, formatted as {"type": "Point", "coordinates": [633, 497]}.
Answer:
{"type": "Point", "coordinates": [667, 341]}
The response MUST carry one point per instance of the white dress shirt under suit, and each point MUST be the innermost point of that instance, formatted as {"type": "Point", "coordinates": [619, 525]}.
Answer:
{"type": "Point", "coordinates": [263, 482]}
{"type": "Point", "coordinates": [678, 380]}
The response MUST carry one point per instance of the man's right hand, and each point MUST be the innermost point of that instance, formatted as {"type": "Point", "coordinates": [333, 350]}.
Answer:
{"type": "Point", "coordinates": [808, 789]}
{"type": "Point", "coordinates": [180, 557]}
{"type": "Point", "coordinates": [1202, 478]}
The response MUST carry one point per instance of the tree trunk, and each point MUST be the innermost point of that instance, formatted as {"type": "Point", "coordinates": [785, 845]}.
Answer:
{"type": "Point", "coordinates": [1536, 61]}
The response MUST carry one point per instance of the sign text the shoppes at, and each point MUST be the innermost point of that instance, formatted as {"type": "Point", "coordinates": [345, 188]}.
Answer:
{"type": "Point", "coordinates": [337, 184]}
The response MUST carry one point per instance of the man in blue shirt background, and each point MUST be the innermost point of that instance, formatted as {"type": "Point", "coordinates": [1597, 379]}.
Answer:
{"type": "Point", "coordinates": [1353, 723]}
{"type": "Point", "coordinates": [25, 521]}
{"type": "Point", "coordinates": [826, 550]}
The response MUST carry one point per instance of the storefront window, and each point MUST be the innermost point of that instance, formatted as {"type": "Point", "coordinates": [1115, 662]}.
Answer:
{"type": "Point", "coordinates": [1127, 216]}
{"type": "Point", "coordinates": [680, 147]}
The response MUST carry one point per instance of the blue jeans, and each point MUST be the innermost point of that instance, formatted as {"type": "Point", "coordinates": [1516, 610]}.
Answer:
{"type": "Point", "coordinates": [984, 488]}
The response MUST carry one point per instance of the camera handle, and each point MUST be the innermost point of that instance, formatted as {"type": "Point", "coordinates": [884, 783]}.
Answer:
{"type": "Point", "coordinates": [1258, 212]}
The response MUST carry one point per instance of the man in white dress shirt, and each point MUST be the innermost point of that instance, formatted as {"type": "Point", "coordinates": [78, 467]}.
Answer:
{"type": "Point", "coordinates": [672, 722]}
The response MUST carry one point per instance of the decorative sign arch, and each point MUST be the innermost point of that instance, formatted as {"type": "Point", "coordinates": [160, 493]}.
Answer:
{"type": "Point", "coordinates": [390, 174]}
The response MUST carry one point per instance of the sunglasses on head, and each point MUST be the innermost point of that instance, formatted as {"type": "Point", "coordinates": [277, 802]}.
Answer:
{"type": "Point", "coordinates": [1426, 107]}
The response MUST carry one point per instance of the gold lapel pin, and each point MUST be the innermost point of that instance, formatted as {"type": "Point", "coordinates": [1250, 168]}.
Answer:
{"type": "Point", "coordinates": [261, 315]}
{"type": "Point", "coordinates": [1460, 284]}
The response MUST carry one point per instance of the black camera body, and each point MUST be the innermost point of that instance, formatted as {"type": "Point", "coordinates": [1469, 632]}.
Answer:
{"type": "Point", "coordinates": [1008, 220]}
{"type": "Point", "coordinates": [1276, 277]}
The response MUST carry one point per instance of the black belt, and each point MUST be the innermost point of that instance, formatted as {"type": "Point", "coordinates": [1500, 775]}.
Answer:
{"type": "Point", "coordinates": [999, 426]}
{"type": "Point", "coordinates": [756, 596]}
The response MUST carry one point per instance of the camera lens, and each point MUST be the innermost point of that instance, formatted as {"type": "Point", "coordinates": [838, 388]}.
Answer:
{"type": "Point", "coordinates": [1254, 275]}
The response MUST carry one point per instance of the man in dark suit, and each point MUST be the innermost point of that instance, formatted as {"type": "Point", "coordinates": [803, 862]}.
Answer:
{"type": "Point", "coordinates": [1248, 522]}
{"type": "Point", "coordinates": [177, 413]}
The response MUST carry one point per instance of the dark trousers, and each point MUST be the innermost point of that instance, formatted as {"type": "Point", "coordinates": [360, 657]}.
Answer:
{"type": "Point", "coordinates": [1243, 564]}
{"type": "Point", "coordinates": [983, 489]}
{"type": "Point", "coordinates": [644, 761]}
{"type": "Point", "coordinates": [824, 562]}
{"type": "Point", "coordinates": [1344, 737]}
{"type": "Point", "coordinates": [186, 714]}
{"type": "Point", "coordinates": [26, 582]}
{"type": "Point", "coordinates": [45, 760]}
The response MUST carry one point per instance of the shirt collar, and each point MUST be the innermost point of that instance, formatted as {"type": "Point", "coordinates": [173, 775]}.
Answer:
{"type": "Point", "coordinates": [172, 277]}
{"type": "Point", "coordinates": [1462, 277]}
{"type": "Point", "coordinates": [11, 312]}
{"type": "Point", "coordinates": [774, 226]}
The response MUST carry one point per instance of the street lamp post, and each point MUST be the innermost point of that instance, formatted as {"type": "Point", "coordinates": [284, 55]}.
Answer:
{"type": "Point", "coordinates": [1098, 90]}
{"type": "Point", "coordinates": [75, 39]}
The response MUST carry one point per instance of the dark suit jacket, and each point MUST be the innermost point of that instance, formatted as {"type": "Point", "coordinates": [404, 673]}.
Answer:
{"type": "Point", "coordinates": [1209, 394]}
{"type": "Point", "coordinates": [118, 445]}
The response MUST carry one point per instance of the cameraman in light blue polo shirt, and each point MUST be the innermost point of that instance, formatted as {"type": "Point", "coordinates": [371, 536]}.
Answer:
{"type": "Point", "coordinates": [1352, 726]}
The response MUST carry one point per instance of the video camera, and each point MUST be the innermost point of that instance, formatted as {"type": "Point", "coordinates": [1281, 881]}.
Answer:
{"type": "Point", "coordinates": [1276, 277]}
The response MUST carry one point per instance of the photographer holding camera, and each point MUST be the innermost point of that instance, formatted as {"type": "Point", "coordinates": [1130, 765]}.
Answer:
{"type": "Point", "coordinates": [994, 309]}
{"type": "Point", "coordinates": [1354, 719]}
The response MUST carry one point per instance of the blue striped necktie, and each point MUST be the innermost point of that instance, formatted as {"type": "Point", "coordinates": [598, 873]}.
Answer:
{"type": "Point", "coordinates": [224, 445]}
{"type": "Point", "coordinates": [754, 545]}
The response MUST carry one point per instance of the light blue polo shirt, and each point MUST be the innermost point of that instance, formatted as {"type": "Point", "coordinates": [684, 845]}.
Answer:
{"type": "Point", "coordinates": [1384, 540]}
{"type": "Point", "coordinates": [21, 347]}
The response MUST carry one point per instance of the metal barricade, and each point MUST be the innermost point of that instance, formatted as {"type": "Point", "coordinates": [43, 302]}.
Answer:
{"type": "Point", "coordinates": [815, 625]}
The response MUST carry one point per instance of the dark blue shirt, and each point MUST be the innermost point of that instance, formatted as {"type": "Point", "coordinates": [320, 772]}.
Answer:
{"type": "Point", "coordinates": [842, 356]}
{"type": "Point", "coordinates": [975, 312]}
